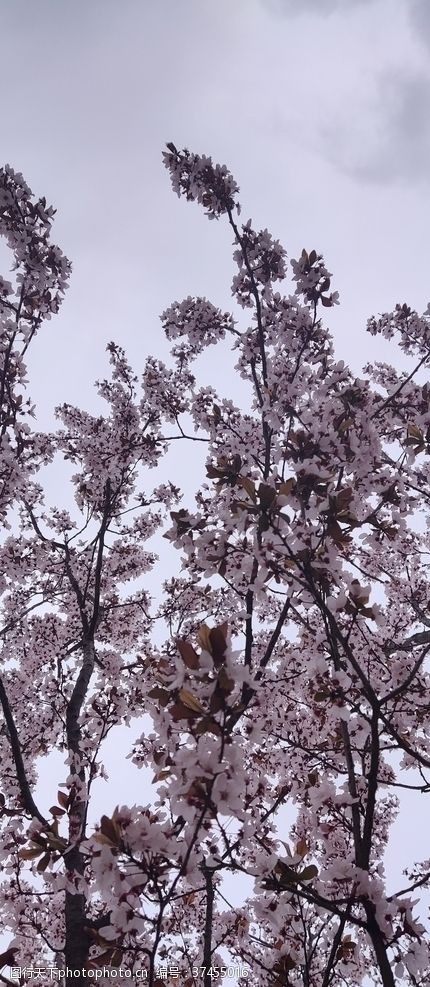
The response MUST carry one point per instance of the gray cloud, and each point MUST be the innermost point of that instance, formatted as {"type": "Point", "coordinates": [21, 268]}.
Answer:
{"type": "Point", "coordinates": [321, 7]}
{"type": "Point", "coordinates": [419, 12]}
{"type": "Point", "coordinates": [392, 143]}
{"type": "Point", "coordinates": [404, 150]}
{"type": "Point", "coordinates": [383, 136]}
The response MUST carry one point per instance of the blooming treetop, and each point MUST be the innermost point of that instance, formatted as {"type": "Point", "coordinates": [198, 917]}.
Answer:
{"type": "Point", "coordinates": [294, 670]}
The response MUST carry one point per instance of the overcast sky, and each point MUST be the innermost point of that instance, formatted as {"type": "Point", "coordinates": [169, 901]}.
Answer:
{"type": "Point", "coordinates": [321, 108]}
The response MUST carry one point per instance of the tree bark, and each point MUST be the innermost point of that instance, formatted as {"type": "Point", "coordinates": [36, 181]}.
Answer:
{"type": "Point", "coordinates": [77, 940]}
{"type": "Point", "coordinates": [207, 942]}
{"type": "Point", "coordinates": [377, 939]}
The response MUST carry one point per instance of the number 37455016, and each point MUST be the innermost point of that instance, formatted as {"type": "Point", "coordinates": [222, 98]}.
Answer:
{"type": "Point", "coordinates": [214, 972]}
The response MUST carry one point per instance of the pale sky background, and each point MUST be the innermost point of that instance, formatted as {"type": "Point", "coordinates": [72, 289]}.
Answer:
{"type": "Point", "coordinates": [321, 109]}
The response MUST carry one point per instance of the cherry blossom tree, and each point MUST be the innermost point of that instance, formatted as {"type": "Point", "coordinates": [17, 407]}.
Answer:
{"type": "Point", "coordinates": [293, 674]}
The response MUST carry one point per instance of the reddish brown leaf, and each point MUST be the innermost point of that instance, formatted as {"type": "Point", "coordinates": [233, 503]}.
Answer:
{"type": "Point", "coordinates": [188, 655]}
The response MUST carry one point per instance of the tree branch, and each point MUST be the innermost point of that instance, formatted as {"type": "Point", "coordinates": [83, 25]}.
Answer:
{"type": "Point", "coordinates": [26, 794]}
